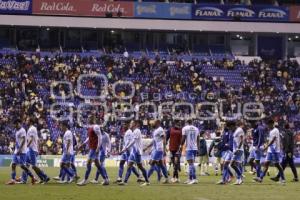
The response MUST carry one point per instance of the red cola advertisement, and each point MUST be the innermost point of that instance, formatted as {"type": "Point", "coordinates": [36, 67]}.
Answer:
{"type": "Point", "coordinates": [82, 7]}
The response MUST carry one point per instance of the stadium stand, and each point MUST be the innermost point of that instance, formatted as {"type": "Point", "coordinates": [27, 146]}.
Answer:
{"type": "Point", "coordinates": [211, 74]}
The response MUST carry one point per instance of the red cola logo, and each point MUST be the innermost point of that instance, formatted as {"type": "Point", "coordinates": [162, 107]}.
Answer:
{"type": "Point", "coordinates": [57, 6]}
{"type": "Point", "coordinates": [108, 7]}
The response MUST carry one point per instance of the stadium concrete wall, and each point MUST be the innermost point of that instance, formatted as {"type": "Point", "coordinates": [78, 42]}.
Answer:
{"type": "Point", "coordinates": [148, 24]}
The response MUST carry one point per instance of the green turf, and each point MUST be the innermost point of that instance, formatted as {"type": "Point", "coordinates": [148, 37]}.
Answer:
{"type": "Point", "coordinates": [205, 190]}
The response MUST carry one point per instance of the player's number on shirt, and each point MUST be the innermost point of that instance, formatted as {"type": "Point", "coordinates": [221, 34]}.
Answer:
{"type": "Point", "coordinates": [193, 135]}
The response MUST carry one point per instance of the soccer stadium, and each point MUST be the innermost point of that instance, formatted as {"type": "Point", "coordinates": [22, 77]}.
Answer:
{"type": "Point", "coordinates": [149, 99]}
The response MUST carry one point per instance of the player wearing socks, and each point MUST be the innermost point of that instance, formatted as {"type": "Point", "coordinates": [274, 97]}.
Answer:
{"type": "Point", "coordinates": [258, 136]}
{"type": "Point", "coordinates": [32, 153]}
{"type": "Point", "coordinates": [94, 141]}
{"type": "Point", "coordinates": [238, 151]}
{"type": "Point", "coordinates": [136, 150]}
{"type": "Point", "coordinates": [19, 156]}
{"type": "Point", "coordinates": [104, 153]}
{"type": "Point", "coordinates": [288, 150]}
{"type": "Point", "coordinates": [227, 146]}
{"type": "Point", "coordinates": [73, 157]}
{"type": "Point", "coordinates": [128, 136]}
{"type": "Point", "coordinates": [62, 174]}
{"type": "Point", "coordinates": [273, 153]}
{"type": "Point", "coordinates": [174, 137]}
{"type": "Point", "coordinates": [190, 137]}
{"type": "Point", "coordinates": [67, 152]}
{"type": "Point", "coordinates": [159, 148]}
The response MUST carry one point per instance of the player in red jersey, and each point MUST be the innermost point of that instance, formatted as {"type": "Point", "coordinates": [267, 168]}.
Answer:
{"type": "Point", "coordinates": [94, 139]}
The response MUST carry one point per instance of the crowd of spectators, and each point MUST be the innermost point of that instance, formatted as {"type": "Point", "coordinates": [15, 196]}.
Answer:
{"type": "Point", "coordinates": [26, 79]}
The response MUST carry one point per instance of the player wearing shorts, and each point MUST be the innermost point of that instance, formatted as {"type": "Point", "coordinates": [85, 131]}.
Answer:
{"type": "Point", "coordinates": [33, 152]}
{"type": "Point", "coordinates": [73, 157]}
{"type": "Point", "coordinates": [238, 152]}
{"type": "Point", "coordinates": [136, 150]}
{"type": "Point", "coordinates": [288, 153]}
{"type": "Point", "coordinates": [190, 137]}
{"type": "Point", "coordinates": [104, 153]}
{"type": "Point", "coordinates": [94, 141]}
{"type": "Point", "coordinates": [273, 153]}
{"type": "Point", "coordinates": [227, 147]}
{"type": "Point", "coordinates": [19, 156]}
{"type": "Point", "coordinates": [68, 151]}
{"type": "Point", "coordinates": [128, 136]}
{"type": "Point", "coordinates": [159, 149]}
{"type": "Point", "coordinates": [62, 174]}
{"type": "Point", "coordinates": [258, 135]}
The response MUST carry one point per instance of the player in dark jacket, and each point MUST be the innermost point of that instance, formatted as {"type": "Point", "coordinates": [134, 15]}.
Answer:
{"type": "Point", "coordinates": [174, 136]}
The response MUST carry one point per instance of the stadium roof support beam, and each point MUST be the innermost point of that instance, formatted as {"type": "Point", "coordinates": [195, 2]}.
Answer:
{"type": "Point", "coordinates": [148, 24]}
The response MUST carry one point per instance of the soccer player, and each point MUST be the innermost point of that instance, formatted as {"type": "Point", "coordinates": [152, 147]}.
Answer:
{"type": "Point", "coordinates": [73, 157]}
{"type": "Point", "coordinates": [136, 150]}
{"type": "Point", "coordinates": [104, 153]}
{"type": "Point", "coordinates": [159, 149]}
{"type": "Point", "coordinates": [128, 136]}
{"type": "Point", "coordinates": [227, 146]}
{"type": "Point", "coordinates": [217, 149]}
{"type": "Point", "coordinates": [288, 150]}
{"type": "Point", "coordinates": [62, 174]}
{"type": "Point", "coordinates": [190, 137]}
{"type": "Point", "coordinates": [238, 151]}
{"type": "Point", "coordinates": [67, 152]}
{"type": "Point", "coordinates": [32, 153]}
{"type": "Point", "coordinates": [174, 136]}
{"type": "Point", "coordinates": [258, 137]}
{"type": "Point", "coordinates": [273, 153]}
{"type": "Point", "coordinates": [19, 156]}
{"type": "Point", "coordinates": [94, 140]}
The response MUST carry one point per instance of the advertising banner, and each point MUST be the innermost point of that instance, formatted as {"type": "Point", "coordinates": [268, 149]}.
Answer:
{"type": "Point", "coordinates": [40, 162]}
{"type": "Point", "coordinates": [295, 13]}
{"type": "Point", "coordinates": [15, 7]}
{"type": "Point", "coordinates": [202, 11]}
{"type": "Point", "coordinates": [82, 8]}
{"type": "Point", "coordinates": [272, 13]}
{"type": "Point", "coordinates": [98, 8]}
{"type": "Point", "coordinates": [162, 10]}
{"type": "Point", "coordinates": [240, 12]}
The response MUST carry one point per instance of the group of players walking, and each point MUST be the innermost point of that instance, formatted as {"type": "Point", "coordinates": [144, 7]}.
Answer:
{"type": "Point", "coordinates": [229, 148]}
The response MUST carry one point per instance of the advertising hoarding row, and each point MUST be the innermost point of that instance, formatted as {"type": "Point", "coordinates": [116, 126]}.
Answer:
{"type": "Point", "coordinates": [151, 10]}
{"type": "Point", "coordinates": [240, 12]}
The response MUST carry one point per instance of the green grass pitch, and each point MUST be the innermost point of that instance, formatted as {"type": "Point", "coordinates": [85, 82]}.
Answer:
{"type": "Point", "coordinates": [205, 190]}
